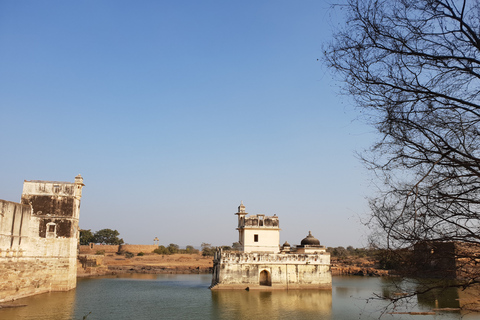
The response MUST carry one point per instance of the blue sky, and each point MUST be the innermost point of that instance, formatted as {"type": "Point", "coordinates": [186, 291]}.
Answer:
{"type": "Point", "coordinates": [175, 111]}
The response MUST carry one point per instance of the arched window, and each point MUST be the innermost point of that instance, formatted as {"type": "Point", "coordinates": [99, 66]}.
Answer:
{"type": "Point", "coordinates": [265, 278]}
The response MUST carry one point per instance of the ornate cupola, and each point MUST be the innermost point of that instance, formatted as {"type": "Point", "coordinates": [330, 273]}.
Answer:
{"type": "Point", "coordinates": [310, 241]}
{"type": "Point", "coordinates": [310, 244]}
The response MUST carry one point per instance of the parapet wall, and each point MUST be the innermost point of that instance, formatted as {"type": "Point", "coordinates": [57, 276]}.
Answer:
{"type": "Point", "coordinates": [272, 258]}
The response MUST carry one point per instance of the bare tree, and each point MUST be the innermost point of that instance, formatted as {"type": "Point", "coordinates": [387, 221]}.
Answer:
{"type": "Point", "coordinates": [413, 67]}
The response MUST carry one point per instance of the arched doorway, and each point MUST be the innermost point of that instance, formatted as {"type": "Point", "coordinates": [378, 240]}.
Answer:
{"type": "Point", "coordinates": [265, 278]}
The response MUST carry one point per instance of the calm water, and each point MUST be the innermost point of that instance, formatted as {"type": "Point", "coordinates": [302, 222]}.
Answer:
{"type": "Point", "coordinates": [188, 297]}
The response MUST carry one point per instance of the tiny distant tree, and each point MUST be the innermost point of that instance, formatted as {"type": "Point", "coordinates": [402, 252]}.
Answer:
{"type": "Point", "coordinates": [161, 250]}
{"type": "Point", "coordinates": [236, 246]}
{"type": "Point", "coordinates": [86, 237]}
{"type": "Point", "coordinates": [173, 248]}
{"type": "Point", "coordinates": [207, 249]}
{"type": "Point", "coordinates": [108, 236]}
{"type": "Point", "coordinates": [190, 250]}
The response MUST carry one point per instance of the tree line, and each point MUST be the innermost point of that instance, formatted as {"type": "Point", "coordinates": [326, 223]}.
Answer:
{"type": "Point", "coordinates": [103, 236]}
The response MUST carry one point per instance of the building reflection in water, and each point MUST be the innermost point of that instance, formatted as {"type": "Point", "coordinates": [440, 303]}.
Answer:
{"type": "Point", "coordinates": [439, 298]}
{"type": "Point", "coordinates": [241, 304]}
{"type": "Point", "coordinates": [438, 294]}
{"type": "Point", "coordinates": [46, 306]}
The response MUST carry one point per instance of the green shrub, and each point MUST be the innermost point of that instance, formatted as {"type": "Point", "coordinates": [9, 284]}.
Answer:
{"type": "Point", "coordinates": [162, 250]}
{"type": "Point", "coordinates": [129, 255]}
{"type": "Point", "coordinates": [100, 252]}
{"type": "Point", "coordinates": [140, 254]}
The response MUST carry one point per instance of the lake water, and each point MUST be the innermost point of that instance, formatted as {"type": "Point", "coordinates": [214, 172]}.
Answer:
{"type": "Point", "coordinates": [137, 296]}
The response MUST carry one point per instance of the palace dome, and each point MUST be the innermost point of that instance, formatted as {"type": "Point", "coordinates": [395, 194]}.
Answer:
{"type": "Point", "coordinates": [310, 240]}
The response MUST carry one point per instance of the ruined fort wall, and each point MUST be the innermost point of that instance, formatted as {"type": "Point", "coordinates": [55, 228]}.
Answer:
{"type": "Point", "coordinates": [38, 239]}
{"type": "Point", "coordinates": [30, 264]}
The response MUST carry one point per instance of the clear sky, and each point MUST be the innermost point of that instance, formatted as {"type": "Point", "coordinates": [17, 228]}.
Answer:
{"type": "Point", "coordinates": [175, 111]}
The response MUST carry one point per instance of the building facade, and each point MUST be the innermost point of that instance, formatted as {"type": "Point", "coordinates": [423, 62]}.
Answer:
{"type": "Point", "coordinates": [39, 238]}
{"type": "Point", "coordinates": [261, 264]}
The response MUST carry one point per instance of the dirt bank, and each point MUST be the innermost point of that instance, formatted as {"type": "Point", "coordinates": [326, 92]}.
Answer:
{"type": "Point", "coordinates": [149, 263]}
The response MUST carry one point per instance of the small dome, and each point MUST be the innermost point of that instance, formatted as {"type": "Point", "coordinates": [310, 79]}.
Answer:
{"type": "Point", "coordinates": [310, 240]}
{"type": "Point", "coordinates": [286, 244]}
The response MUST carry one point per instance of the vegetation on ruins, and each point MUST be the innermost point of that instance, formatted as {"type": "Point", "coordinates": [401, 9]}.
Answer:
{"type": "Point", "coordinates": [413, 69]}
{"type": "Point", "coordinates": [209, 250]}
{"type": "Point", "coordinates": [174, 248]}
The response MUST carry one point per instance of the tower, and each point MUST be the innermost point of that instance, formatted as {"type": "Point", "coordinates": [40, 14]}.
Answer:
{"type": "Point", "coordinates": [241, 222]}
{"type": "Point", "coordinates": [258, 233]}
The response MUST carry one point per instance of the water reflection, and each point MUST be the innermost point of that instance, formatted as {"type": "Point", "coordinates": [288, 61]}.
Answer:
{"type": "Point", "coordinates": [51, 306]}
{"type": "Point", "coordinates": [241, 304]}
{"type": "Point", "coordinates": [147, 296]}
{"type": "Point", "coordinates": [439, 298]}
{"type": "Point", "coordinates": [469, 299]}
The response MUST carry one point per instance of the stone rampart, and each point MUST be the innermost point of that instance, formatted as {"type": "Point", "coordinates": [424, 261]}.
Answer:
{"type": "Point", "coordinates": [137, 248]}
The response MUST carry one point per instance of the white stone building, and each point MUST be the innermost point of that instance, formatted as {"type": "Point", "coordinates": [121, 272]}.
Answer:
{"type": "Point", "coordinates": [261, 263]}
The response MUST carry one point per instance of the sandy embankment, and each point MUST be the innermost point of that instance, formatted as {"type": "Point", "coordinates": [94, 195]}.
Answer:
{"type": "Point", "coordinates": [152, 263]}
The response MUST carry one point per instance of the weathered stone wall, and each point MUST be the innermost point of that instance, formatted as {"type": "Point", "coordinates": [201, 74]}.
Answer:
{"type": "Point", "coordinates": [25, 276]}
{"type": "Point", "coordinates": [15, 219]}
{"type": "Point", "coordinates": [133, 248]}
{"type": "Point", "coordinates": [94, 248]}
{"type": "Point", "coordinates": [38, 239]}
{"type": "Point", "coordinates": [136, 248]}
{"type": "Point", "coordinates": [271, 271]}
{"type": "Point", "coordinates": [91, 265]}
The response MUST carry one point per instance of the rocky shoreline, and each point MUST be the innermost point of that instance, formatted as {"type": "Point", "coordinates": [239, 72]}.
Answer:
{"type": "Point", "coordinates": [358, 271]}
